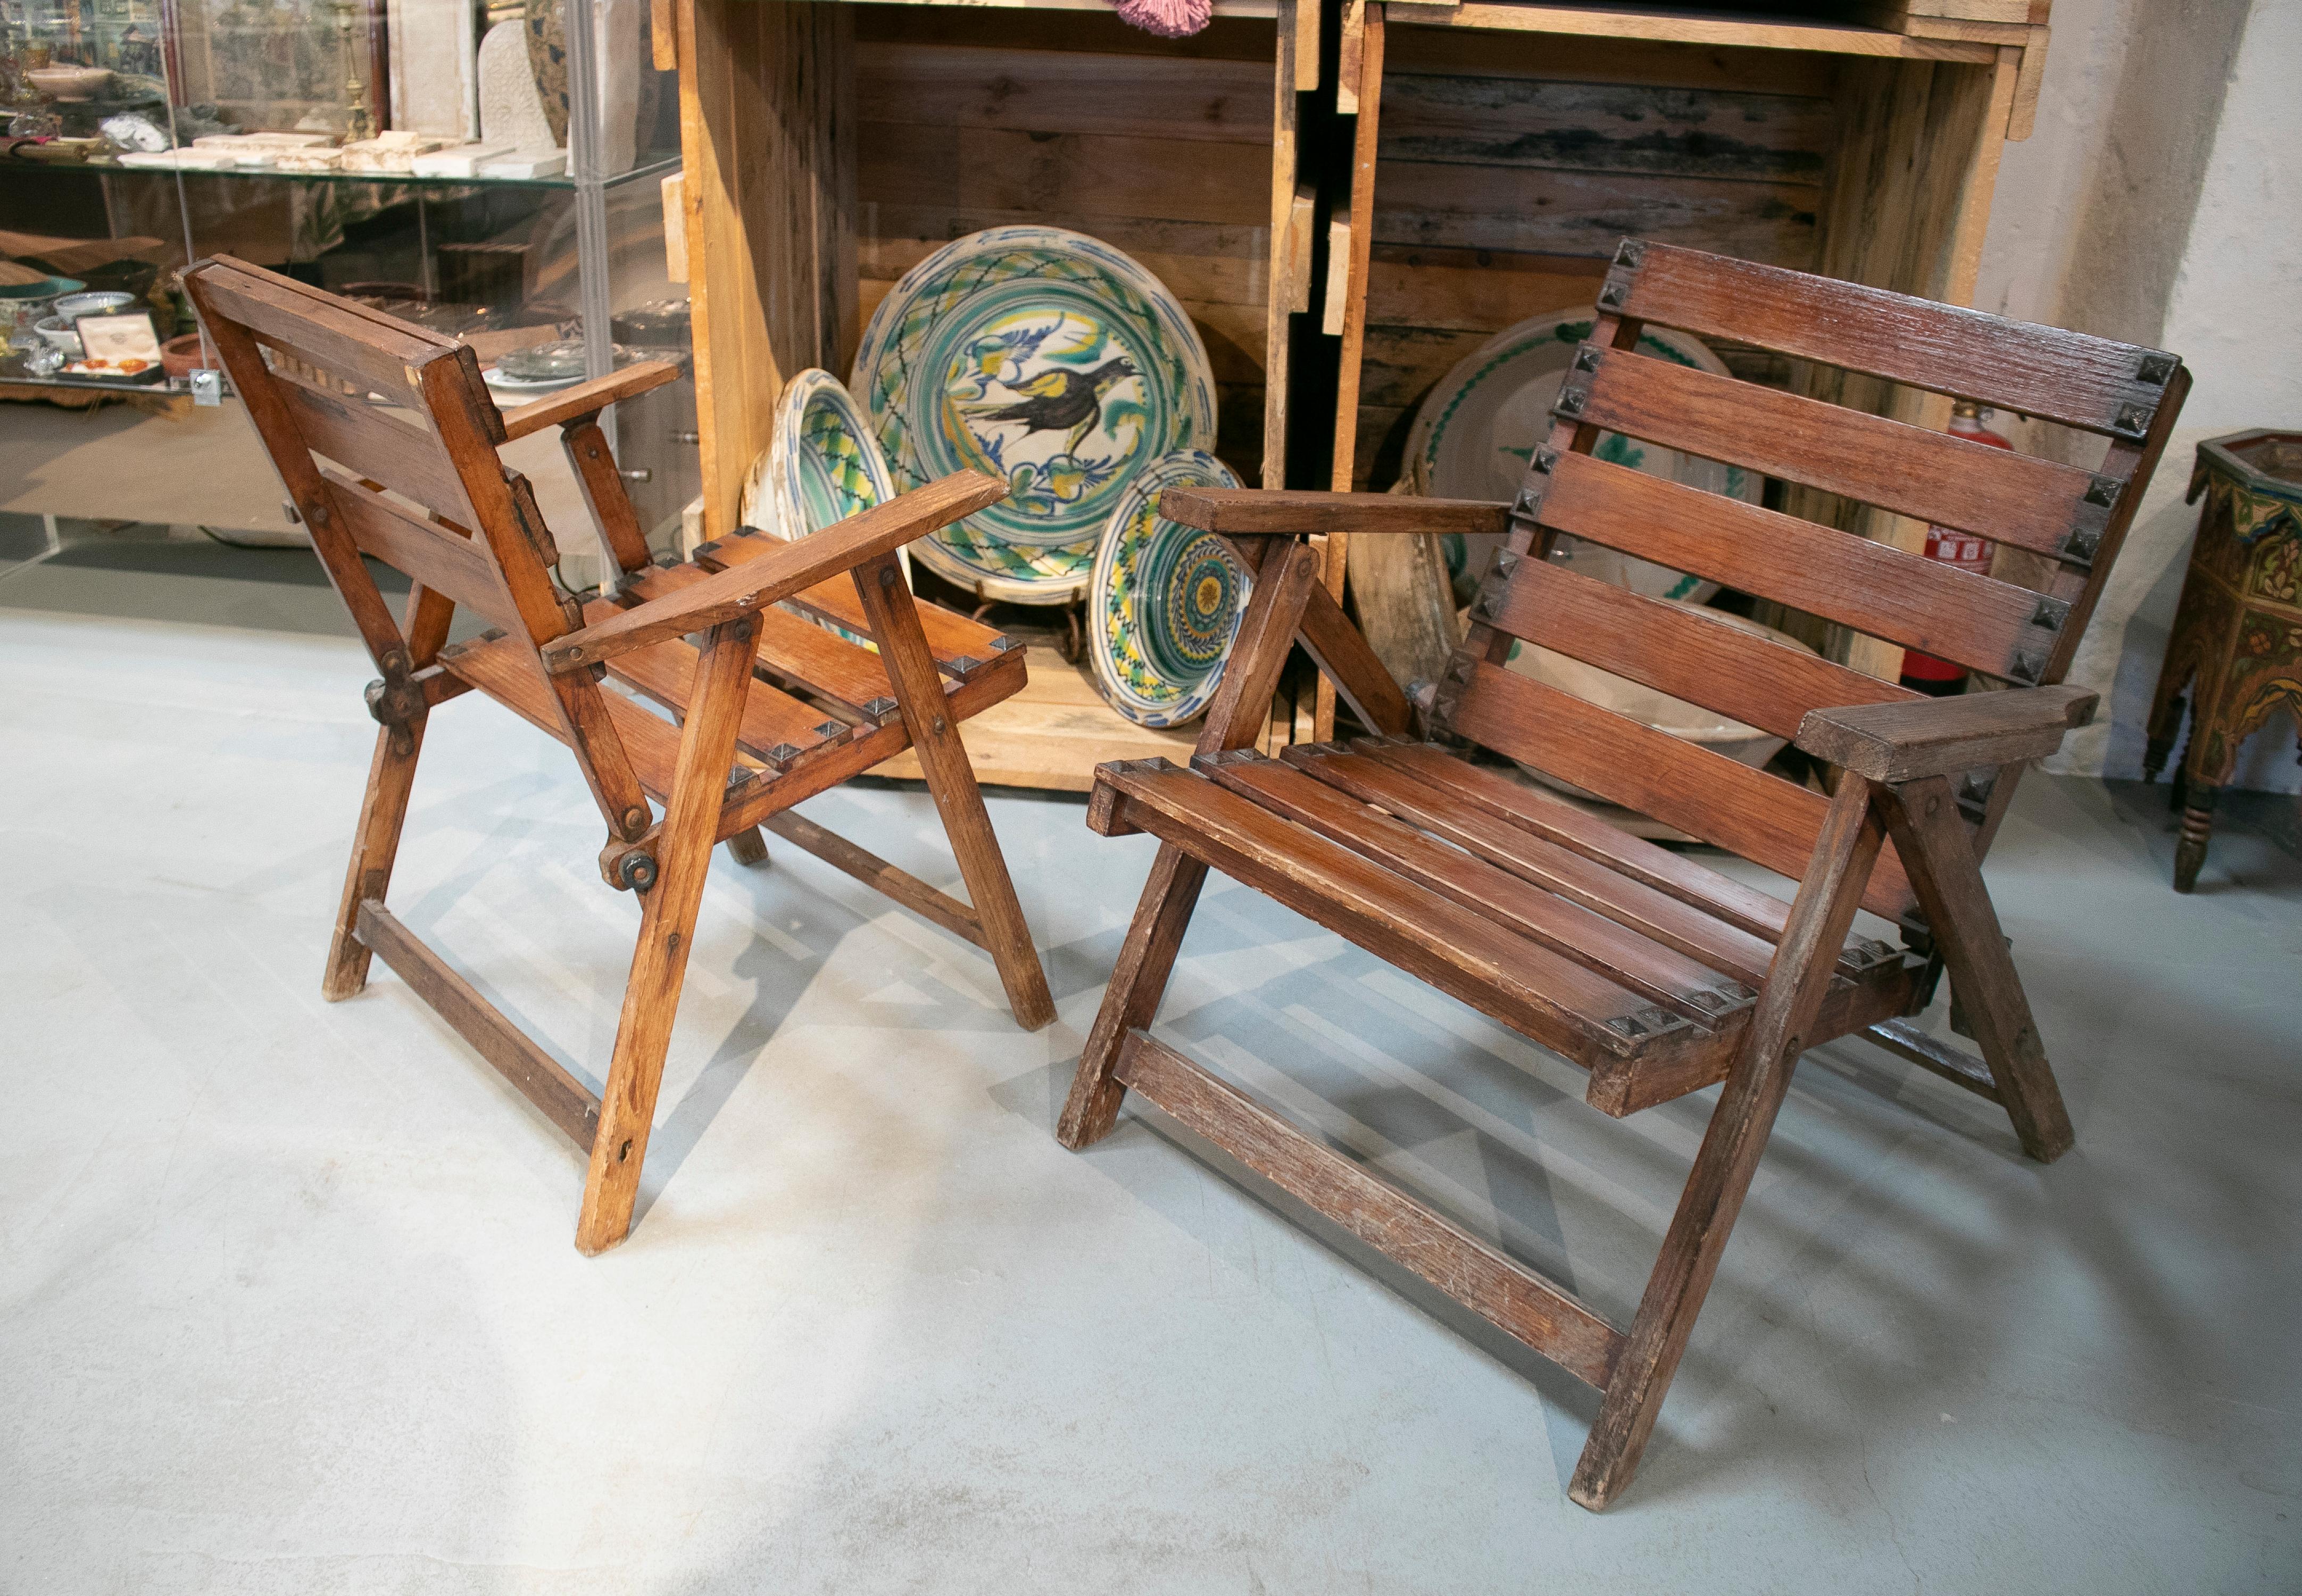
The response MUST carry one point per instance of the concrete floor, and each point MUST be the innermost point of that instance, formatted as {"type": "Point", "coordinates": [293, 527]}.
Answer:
{"type": "Point", "coordinates": [288, 1302]}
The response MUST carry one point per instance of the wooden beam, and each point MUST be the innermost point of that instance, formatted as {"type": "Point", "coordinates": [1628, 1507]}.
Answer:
{"type": "Point", "coordinates": [540, 1078]}
{"type": "Point", "coordinates": [1499, 1289]}
{"type": "Point", "coordinates": [875, 872]}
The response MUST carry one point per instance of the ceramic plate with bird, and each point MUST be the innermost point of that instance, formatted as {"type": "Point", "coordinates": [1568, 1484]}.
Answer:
{"type": "Point", "coordinates": [1165, 600]}
{"type": "Point", "coordinates": [1044, 356]}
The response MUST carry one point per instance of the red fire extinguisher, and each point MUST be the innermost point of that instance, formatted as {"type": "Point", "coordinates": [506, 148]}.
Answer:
{"type": "Point", "coordinates": [1924, 673]}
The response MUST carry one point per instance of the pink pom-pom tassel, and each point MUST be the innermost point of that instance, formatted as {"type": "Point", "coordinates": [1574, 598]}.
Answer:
{"type": "Point", "coordinates": [1169, 18]}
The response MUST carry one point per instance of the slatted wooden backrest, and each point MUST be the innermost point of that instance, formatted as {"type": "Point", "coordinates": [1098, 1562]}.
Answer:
{"type": "Point", "coordinates": [417, 485]}
{"type": "Point", "coordinates": [2073, 517]}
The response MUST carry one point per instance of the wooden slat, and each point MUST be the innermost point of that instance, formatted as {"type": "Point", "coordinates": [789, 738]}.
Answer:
{"type": "Point", "coordinates": [1672, 648]}
{"type": "Point", "coordinates": [751, 804]}
{"type": "Point", "coordinates": [563, 1100]}
{"type": "Point", "coordinates": [1763, 818]}
{"type": "Point", "coordinates": [393, 447]}
{"type": "Point", "coordinates": [1591, 940]}
{"type": "Point", "coordinates": [1678, 25]}
{"type": "Point", "coordinates": [1953, 1064]}
{"type": "Point", "coordinates": [799, 652]}
{"type": "Point", "coordinates": [1581, 1015]}
{"type": "Point", "coordinates": [873, 871]}
{"type": "Point", "coordinates": [1873, 587]}
{"type": "Point", "coordinates": [1534, 210]}
{"type": "Point", "coordinates": [432, 555]}
{"type": "Point", "coordinates": [1758, 914]}
{"type": "Point", "coordinates": [1248, 512]}
{"type": "Point", "coordinates": [1512, 121]}
{"type": "Point", "coordinates": [1934, 477]}
{"type": "Point", "coordinates": [961, 646]}
{"type": "Point", "coordinates": [775, 727]}
{"type": "Point", "coordinates": [1511, 1296]}
{"type": "Point", "coordinates": [1656, 915]}
{"type": "Point", "coordinates": [954, 86]}
{"type": "Point", "coordinates": [505, 669]}
{"type": "Point", "coordinates": [2069, 377]}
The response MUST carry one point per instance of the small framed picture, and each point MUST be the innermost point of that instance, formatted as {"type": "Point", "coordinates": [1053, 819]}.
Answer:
{"type": "Point", "coordinates": [122, 346]}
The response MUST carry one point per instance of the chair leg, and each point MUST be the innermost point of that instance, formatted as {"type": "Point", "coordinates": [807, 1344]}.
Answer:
{"type": "Point", "coordinates": [1797, 981]}
{"type": "Point", "coordinates": [391, 775]}
{"type": "Point", "coordinates": [748, 847]}
{"type": "Point", "coordinates": [1939, 855]}
{"type": "Point", "coordinates": [950, 782]}
{"type": "Point", "coordinates": [683, 856]}
{"type": "Point", "coordinates": [1146, 960]}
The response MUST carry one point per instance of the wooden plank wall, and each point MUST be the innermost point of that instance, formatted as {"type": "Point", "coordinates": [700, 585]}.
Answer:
{"type": "Point", "coordinates": [769, 190]}
{"type": "Point", "coordinates": [973, 119]}
{"type": "Point", "coordinates": [1511, 164]}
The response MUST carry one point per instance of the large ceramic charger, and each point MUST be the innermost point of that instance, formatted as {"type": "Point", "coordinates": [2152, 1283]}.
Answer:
{"type": "Point", "coordinates": [1477, 430]}
{"type": "Point", "coordinates": [1049, 359]}
{"type": "Point", "coordinates": [1165, 599]}
{"type": "Point", "coordinates": [821, 465]}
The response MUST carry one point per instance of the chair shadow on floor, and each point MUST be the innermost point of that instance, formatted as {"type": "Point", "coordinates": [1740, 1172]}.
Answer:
{"type": "Point", "coordinates": [1487, 1128]}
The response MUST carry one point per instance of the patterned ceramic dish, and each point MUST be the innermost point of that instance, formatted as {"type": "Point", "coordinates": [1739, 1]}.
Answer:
{"type": "Point", "coordinates": [1475, 431]}
{"type": "Point", "coordinates": [821, 465]}
{"type": "Point", "coordinates": [1165, 599]}
{"type": "Point", "coordinates": [1044, 356]}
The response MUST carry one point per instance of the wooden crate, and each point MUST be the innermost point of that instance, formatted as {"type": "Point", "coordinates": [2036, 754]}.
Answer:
{"type": "Point", "coordinates": [830, 148]}
{"type": "Point", "coordinates": [1501, 150]}
{"type": "Point", "coordinates": [1342, 226]}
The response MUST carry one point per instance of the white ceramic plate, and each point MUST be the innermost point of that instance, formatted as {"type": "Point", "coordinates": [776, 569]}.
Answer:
{"type": "Point", "coordinates": [1477, 428]}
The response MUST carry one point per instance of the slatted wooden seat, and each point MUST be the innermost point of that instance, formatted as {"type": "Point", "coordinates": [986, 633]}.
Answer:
{"type": "Point", "coordinates": [391, 454]}
{"type": "Point", "coordinates": [1656, 974]}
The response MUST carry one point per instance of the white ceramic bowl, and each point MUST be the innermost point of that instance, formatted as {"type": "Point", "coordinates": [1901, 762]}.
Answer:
{"type": "Point", "coordinates": [67, 81]}
{"type": "Point", "coordinates": [1746, 744]}
{"type": "Point", "coordinates": [101, 302]}
{"type": "Point", "coordinates": [59, 332]}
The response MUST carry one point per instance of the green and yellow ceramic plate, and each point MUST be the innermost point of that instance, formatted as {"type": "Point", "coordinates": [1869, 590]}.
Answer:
{"type": "Point", "coordinates": [821, 465]}
{"type": "Point", "coordinates": [1044, 356]}
{"type": "Point", "coordinates": [1477, 428]}
{"type": "Point", "coordinates": [1165, 599]}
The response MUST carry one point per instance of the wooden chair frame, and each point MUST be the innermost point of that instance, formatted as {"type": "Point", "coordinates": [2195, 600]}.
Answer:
{"type": "Point", "coordinates": [771, 709]}
{"type": "Point", "coordinates": [1656, 974]}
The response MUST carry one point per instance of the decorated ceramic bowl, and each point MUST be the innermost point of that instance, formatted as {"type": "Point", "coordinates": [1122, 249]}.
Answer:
{"type": "Point", "coordinates": [101, 302]}
{"type": "Point", "coordinates": [23, 306]}
{"type": "Point", "coordinates": [1165, 599]}
{"type": "Point", "coordinates": [61, 335]}
{"type": "Point", "coordinates": [1044, 356]}
{"type": "Point", "coordinates": [1477, 430]}
{"type": "Point", "coordinates": [821, 465]}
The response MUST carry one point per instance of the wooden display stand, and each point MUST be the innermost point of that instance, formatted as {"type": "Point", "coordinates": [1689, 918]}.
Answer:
{"type": "Point", "coordinates": [1345, 200]}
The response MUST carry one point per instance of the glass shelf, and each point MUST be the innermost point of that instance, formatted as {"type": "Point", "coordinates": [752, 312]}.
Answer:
{"type": "Point", "coordinates": [660, 167]}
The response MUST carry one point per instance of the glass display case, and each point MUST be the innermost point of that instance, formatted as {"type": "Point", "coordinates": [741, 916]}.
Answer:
{"type": "Point", "coordinates": [491, 171]}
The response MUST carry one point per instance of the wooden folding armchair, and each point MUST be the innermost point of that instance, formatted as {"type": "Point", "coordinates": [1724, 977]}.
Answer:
{"type": "Point", "coordinates": [1653, 972]}
{"type": "Point", "coordinates": [771, 709]}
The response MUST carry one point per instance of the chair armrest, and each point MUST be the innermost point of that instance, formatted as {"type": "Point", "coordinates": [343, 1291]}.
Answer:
{"type": "Point", "coordinates": [586, 399]}
{"type": "Point", "coordinates": [1246, 512]}
{"type": "Point", "coordinates": [1909, 739]}
{"type": "Point", "coordinates": [748, 588]}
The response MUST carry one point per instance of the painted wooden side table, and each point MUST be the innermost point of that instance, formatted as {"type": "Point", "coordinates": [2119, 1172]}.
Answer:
{"type": "Point", "coordinates": [2236, 642]}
